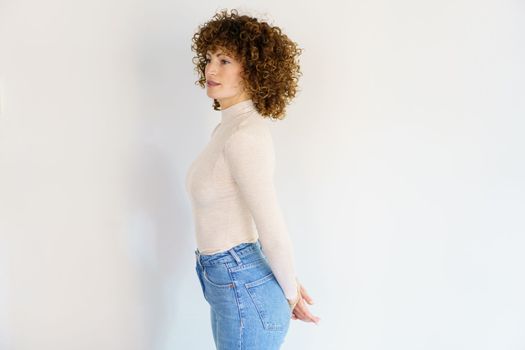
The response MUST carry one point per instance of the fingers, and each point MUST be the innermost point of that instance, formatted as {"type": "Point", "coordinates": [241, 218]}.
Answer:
{"type": "Point", "coordinates": [308, 315]}
{"type": "Point", "coordinates": [301, 312]}
{"type": "Point", "coordinates": [306, 296]}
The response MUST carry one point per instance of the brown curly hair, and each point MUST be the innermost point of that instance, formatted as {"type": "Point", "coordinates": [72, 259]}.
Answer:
{"type": "Point", "coordinates": [269, 59]}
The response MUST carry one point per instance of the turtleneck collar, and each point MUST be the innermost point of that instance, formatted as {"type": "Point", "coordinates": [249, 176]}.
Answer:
{"type": "Point", "coordinates": [237, 110]}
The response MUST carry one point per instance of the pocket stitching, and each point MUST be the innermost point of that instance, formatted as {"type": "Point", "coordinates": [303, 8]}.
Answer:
{"type": "Point", "coordinates": [259, 281]}
{"type": "Point", "coordinates": [246, 266]}
{"type": "Point", "coordinates": [205, 275]}
{"type": "Point", "coordinates": [258, 304]}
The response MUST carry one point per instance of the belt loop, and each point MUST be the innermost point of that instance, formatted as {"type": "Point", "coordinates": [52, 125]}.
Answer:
{"type": "Point", "coordinates": [235, 256]}
{"type": "Point", "coordinates": [198, 257]}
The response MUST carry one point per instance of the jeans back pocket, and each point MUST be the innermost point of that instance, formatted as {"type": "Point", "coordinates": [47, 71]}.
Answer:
{"type": "Point", "coordinates": [270, 302]}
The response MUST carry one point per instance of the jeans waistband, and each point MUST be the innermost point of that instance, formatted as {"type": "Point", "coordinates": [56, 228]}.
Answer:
{"type": "Point", "coordinates": [230, 255]}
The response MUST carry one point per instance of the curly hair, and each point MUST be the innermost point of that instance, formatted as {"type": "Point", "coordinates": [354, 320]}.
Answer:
{"type": "Point", "coordinates": [269, 59]}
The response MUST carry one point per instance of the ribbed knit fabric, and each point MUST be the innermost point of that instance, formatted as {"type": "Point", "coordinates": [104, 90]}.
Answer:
{"type": "Point", "coordinates": [232, 192]}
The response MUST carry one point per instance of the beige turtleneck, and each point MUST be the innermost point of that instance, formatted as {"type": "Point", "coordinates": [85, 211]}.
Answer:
{"type": "Point", "coordinates": [233, 196]}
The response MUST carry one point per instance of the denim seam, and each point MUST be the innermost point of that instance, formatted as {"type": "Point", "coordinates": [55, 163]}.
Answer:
{"type": "Point", "coordinates": [228, 258]}
{"type": "Point", "coordinates": [205, 275]}
{"type": "Point", "coordinates": [246, 266]}
{"type": "Point", "coordinates": [270, 326]}
{"type": "Point", "coordinates": [239, 306]}
{"type": "Point", "coordinates": [259, 281]}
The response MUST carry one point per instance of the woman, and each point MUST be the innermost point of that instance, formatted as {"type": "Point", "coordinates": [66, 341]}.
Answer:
{"type": "Point", "coordinates": [244, 255]}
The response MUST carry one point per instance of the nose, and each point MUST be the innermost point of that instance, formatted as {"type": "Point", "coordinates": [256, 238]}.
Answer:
{"type": "Point", "coordinates": [211, 68]}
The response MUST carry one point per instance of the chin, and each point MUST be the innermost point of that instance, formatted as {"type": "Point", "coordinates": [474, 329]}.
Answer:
{"type": "Point", "coordinates": [212, 95]}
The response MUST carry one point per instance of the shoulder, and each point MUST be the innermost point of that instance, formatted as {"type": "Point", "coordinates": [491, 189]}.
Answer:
{"type": "Point", "coordinates": [252, 134]}
{"type": "Point", "coordinates": [253, 128]}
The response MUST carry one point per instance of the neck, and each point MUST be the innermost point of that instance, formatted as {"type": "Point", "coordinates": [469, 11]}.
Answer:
{"type": "Point", "coordinates": [237, 110]}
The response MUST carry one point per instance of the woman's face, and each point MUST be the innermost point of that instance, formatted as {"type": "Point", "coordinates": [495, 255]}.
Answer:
{"type": "Point", "coordinates": [223, 79]}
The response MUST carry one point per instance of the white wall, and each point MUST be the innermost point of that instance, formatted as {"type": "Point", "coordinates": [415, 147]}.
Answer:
{"type": "Point", "coordinates": [400, 171]}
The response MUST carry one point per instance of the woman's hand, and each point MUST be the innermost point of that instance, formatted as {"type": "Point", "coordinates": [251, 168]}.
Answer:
{"type": "Point", "coordinates": [300, 311]}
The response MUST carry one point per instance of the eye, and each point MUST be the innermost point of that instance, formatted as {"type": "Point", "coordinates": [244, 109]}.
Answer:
{"type": "Point", "coordinates": [207, 60]}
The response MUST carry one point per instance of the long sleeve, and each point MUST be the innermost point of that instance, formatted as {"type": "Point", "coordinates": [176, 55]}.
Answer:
{"type": "Point", "coordinates": [250, 155]}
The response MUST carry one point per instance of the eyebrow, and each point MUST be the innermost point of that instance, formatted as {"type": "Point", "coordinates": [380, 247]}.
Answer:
{"type": "Point", "coordinates": [220, 54]}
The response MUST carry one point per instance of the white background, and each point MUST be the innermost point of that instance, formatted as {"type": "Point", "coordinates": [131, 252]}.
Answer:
{"type": "Point", "coordinates": [400, 171]}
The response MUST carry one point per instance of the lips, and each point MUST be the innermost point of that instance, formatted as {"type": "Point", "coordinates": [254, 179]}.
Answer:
{"type": "Point", "coordinates": [212, 83]}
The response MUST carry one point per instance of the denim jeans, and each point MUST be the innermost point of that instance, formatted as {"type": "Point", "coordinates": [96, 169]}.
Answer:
{"type": "Point", "coordinates": [248, 308]}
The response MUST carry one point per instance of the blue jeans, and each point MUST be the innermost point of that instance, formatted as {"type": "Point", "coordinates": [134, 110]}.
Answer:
{"type": "Point", "coordinates": [248, 308]}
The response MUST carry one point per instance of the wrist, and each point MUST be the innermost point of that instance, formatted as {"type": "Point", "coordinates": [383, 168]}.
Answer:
{"type": "Point", "coordinates": [294, 301]}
